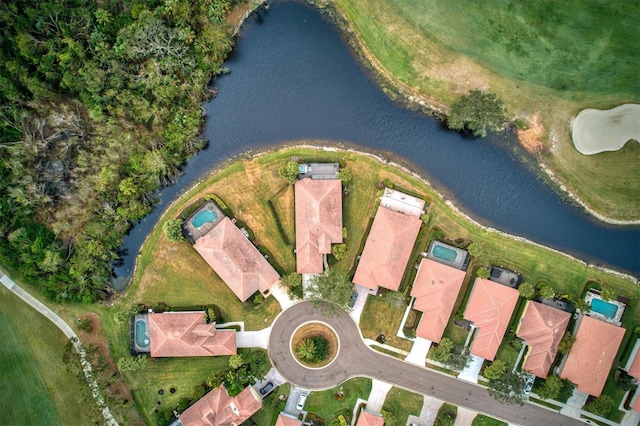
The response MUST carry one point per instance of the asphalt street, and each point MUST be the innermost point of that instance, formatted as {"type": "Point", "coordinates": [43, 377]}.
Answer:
{"type": "Point", "coordinates": [356, 359]}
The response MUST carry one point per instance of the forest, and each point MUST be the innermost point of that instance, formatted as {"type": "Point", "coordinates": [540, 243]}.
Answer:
{"type": "Point", "coordinates": [101, 102]}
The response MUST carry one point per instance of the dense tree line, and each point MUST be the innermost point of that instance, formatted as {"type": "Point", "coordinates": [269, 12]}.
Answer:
{"type": "Point", "coordinates": [100, 104]}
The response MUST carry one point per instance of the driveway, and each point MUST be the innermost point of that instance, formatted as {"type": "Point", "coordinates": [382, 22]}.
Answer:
{"type": "Point", "coordinates": [356, 311]}
{"type": "Point", "coordinates": [378, 394]}
{"type": "Point", "coordinates": [294, 394]}
{"type": "Point", "coordinates": [419, 350]}
{"type": "Point", "coordinates": [272, 376]}
{"type": "Point", "coordinates": [356, 359]}
{"type": "Point", "coordinates": [472, 370]}
{"type": "Point", "coordinates": [253, 339]}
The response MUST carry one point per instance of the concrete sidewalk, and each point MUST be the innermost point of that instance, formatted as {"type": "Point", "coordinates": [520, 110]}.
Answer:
{"type": "Point", "coordinates": [419, 350]}
{"type": "Point", "coordinates": [378, 394]}
{"type": "Point", "coordinates": [253, 339]}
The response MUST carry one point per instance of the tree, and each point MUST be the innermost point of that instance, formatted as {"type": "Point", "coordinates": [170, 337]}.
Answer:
{"type": "Point", "coordinates": [293, 283]}
{"type": "Point", "coordinates": [482, 273]}
{"type": "Point", "coordinates": [582, 305]}
{"type": "Point", "coordinates": [477, 112]}
{"type": "Point", "coordinates": [395, 299]}
{"type": "Point", "coordinates": [495, 370]}
{"type": "Point", "coordinates": [624, 380]}
{"type": "Point", "coordinates": [332, 290]}
{"type": "Point", "coordinates": [509, 388]}
{"type": "Point", "coordinates": [458, 359]}
{"type": "Point", "coordinates": [173, 230]}
{"type": "Point", "coordinates": [475, 249]}
{"type": "Point", "coordinates": [258, 299]}
{"type": "Point", "coordinates": [442, 352]}
{"type": "Point", "coordinates": [339, 251]}
{"type": "Point", "coordinates": [289, 171]}
{"type": "Point", "coordinates": [601, 406]}
{"type": "Point", "coordinates": [566, 343]}
{"type": "Point", "coordinates": [607, 293]}
{"type": "Point", "coordinates": [546, 291]}
{"type": "Point", "coordinates": [552, 387]}
{"type": "Point", "coordinates": [235, 361]}
{"type": "Point", "coordinates": [210, 315]}
{"type": "Point", "coordinates": [306, 350]}
{"type": "Point", "coordinates": [527, 290]}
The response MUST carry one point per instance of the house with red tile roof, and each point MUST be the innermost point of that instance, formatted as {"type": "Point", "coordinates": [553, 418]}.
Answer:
{"type": "Point", "coordinates": [435, 289]}
{"type": "Point", "coordinates": [367, 418]}
{"type": "Point", "coordinates": [217, 408]}
{"type": "Point", "coordinates": [490, 308]}
{"type": "Point", "coordinates": [541, 328]}
{"type": "Point", "coordinates": [318, 205]}
{"type": "Point", "coordinates": [236, 260]}
{"type": "Point", "coordinates": [634, 371]}
{"type": "Point", "coordinates": [592, 355]}
{"type": "Point", "coordinates": [390, 242]}
{"type": "Point", "coordinates": [285, 419]}
{"type": "Point", "coordinates": [179, 334]}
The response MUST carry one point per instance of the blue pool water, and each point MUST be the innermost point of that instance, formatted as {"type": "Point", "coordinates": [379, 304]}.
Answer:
{"type": "Point", "coordinates": [142, 339]}
{"type": "Point", "coordinates": [205, 216]}
{"type": "Point", "coordinates": [444, 253]}
{"type": "Point", "coordinates": [303, 168]}
{"type": "Point", "coordinates": [607, 309]}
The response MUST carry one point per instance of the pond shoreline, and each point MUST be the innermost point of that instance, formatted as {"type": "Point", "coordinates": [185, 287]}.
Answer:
{"type": "Point", "coordinates": [322, 146]}
{"type": "Point", "coordinates": [401, 92]}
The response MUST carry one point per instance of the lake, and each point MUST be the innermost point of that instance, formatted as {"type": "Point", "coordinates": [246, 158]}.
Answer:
{"type": "Point", "coordinates": [292, 77]}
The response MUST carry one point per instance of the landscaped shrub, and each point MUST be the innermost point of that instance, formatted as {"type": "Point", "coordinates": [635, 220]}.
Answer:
{"type": "Point", "coordinates": [483, 273]}
{"type": "Point", "coordinates": [546, 291]}
{"type": "Point", "coordinates": [313, 349]}
{"type": "Point", "coordinates": [475, 249]}
{"type": "Point", "coordinates": [289, 171]}
{"type": "Point", "coordinates": [173, 230]}
{"type": "Point", "coordinates": [219, 202]}
{"type": "Point", "coordinates": [527, 290]}
{"type": "Point", "coordinates": [339, 251]}
{"type": "Point", "coordinates": [85, 324]}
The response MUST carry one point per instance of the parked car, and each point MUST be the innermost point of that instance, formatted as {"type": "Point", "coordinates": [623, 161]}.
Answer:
{"type": "Point", "coordinates": [301, 401]}
{"type": "Point", "coordinates": [266, 389]}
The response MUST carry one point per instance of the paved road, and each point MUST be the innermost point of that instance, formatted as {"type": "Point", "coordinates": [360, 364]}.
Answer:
{"type": "Point", "coordinates": [68, 331]}
{"type": "Point", "coordinates": [356, 359]}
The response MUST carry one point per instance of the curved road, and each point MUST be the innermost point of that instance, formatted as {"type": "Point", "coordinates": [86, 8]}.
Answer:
{"type": "Point", "coordinates": [356, 359]}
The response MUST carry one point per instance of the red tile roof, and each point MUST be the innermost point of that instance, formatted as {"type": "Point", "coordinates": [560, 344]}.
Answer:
{"type": "Point", "coordinates": [174, 334]}
{"type": "Point", "coordinates": [217, 408]}
{"type": "Point", "coordinates": [435, 288]}
{"type": "Point", "coordinates": [542, 328]}
{"type": "Point", "coordinates": [592, 355]}
{"type": "Point", "coordinates": [285, 419]}
{"type": "Point", "coordinates": [318, 221]}
{"type": "Point", "coordinates": [369, 419]}
{"type": "Point", "coordinates": [490, 308]}
{"type": "Point", "coordinates": [387, 250]}
{"type": "Point", "coordinates": [236, 260]}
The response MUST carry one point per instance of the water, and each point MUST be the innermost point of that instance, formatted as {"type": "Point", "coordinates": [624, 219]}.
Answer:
{"type": "Point", "coordinates": [607, 309]}
{"type": "Point", "coordinates": [292, 77]}
{"type": "Point", "coordinates": [444, 253]}
{"type": "Point", "coordinates": [205, 216]}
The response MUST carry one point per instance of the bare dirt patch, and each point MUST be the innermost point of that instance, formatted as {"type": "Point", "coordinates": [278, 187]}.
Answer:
{"type": "Point", "coordinates": [530, 138]}
{"type": "Point", "coordinates": [313, 329]}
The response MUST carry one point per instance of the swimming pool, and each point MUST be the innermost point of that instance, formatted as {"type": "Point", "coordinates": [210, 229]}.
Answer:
{"type": "Point", "coordinates": [607, 309]}
{"type": "Point", "coordinates": [303, 168]}
{"type": "Point", "coordinates": [142, 339]}
{"type": "Point", "coordinates": [205, 216]}
{"type": "Point", "coordinates": [444, 253]}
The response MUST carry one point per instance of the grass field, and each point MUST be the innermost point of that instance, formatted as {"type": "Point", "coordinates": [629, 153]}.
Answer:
{"type": "Point", "coordinates": [33, 375]}
{"type": "Point", "coordinates": [547, 60]}
{"type": "Point", "coordinates": [401, 404]}
{"type": "Point", "coordinates": [176, 275]}
{"type": "Point", "coordinates": [482, 420]}
{"type": "Point", "coordinates": [379, 317]}
{"type": "Point", "coordinates": [325, 405]}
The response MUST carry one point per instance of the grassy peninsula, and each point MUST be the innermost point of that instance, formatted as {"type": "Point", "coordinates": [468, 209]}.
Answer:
{"type": "Point", "coordinates": [175, 274]}
{"type": "Point", "coordinates": [546, 60]}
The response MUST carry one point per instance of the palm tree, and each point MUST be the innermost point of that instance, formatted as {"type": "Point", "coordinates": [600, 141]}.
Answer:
{"type": "Point", "coordinates": [306, 350]}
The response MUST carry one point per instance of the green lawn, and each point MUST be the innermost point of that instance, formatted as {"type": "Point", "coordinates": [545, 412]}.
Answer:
{"type": "Point", "coordinates": [446, 415]}
{"type": "Point", "coordinates": [401, 404]}
{"type": "Point", "coordinates": [35, 387]}
{"type": "Point", "coordinates": [545, 60]}
{"type": "Point", "coordinates": [271, 407]}
{"type": "Point", "coordinates": [482, 420]}
{"type": "Point", "coordinates": [325, 405]}
{"type": "Point", "coordinates": [379, 317]}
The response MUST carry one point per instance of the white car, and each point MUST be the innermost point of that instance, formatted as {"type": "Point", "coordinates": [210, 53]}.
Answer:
{"type": "Point", "coordinates": [301, 401]}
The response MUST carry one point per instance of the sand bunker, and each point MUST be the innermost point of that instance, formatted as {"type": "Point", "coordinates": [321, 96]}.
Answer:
{"type": "Point", "coordinates": [597, 131]}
